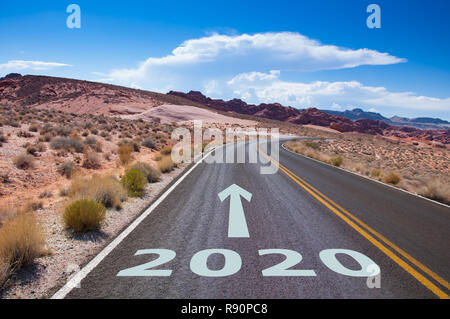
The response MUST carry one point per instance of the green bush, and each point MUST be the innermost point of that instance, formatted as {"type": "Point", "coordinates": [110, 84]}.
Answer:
{"type": "Point", "coordinates": [153, 174]}
{"type": "Point", "coordinates": [337, 161]}
{"type": "Point", "coordinates": [134, 181]}
{"type": "Point", "coordinates": [313, 145]}
{"type": "Point", "coordinates": [84, 215]}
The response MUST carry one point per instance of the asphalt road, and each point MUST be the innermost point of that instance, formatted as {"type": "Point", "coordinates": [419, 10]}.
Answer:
{"type": "Point", "coordinates": [402, 234]}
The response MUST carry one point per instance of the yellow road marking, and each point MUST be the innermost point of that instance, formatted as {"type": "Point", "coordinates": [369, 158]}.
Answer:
{"type": "Point", "coordinates": [423, 280]}
{"type": "Point", "coordinates": [374, 232]}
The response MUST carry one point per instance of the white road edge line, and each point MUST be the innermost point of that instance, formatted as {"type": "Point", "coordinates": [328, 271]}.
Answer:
{"type": "Point", "coordinates": [368, 178]}
{"type": "Point", "coordinates": [74, 281]}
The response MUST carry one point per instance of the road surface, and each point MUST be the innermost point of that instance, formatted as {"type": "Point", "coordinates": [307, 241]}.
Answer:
{"type": "Point", "coordinates": [306, 207]}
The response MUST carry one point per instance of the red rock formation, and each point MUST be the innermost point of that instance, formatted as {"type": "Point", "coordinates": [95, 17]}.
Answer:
{"type": "Point", "coordinates": [314, 116]}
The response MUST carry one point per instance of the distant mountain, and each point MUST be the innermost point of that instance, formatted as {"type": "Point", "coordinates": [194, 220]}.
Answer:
{"type": "Point", "coordinates": [276, 111]}
{"type": "Point", "coordinates": [420, 122]}
{"type": "Point", "coordinates": [357, 114]}
{"type": "Point", "coordinates": [426, 123]}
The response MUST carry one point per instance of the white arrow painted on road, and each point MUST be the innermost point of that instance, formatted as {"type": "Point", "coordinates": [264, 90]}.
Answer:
{"type": "Point", "coordinates": [237, 225]}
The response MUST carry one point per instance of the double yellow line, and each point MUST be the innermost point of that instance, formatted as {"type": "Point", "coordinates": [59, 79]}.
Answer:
{"type": "Point", "coordinates": [370, 234]}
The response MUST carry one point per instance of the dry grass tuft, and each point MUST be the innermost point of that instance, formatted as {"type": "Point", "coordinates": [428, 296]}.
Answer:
{"type": "Point", "coordinates": [437, 190]}
{"type": "Point", "coordinates": [105, 190]}
{"type": "Point", "coordinates": [21, 241]}
{"type": "Point", "coordinates": [337, 161]}
{"type": "Point", "coordinates": [392, 179]}
{"type": "Point", "coordinates": [167, 150]}
{"type": "Point", "coordinates": [124, 152]}
{"type": "Point", "coordinates": [166, 164]}
{"type": "Point", "coordinates": [24, 161]}
{"type": "Point", "coordinates": [92, 160]}
{"type": "Point", "coordinates": [375, 173]}
{"type": "Point", "coordinates": [84, 215]}
{"type": "Point", "coordinates": [153, 174]}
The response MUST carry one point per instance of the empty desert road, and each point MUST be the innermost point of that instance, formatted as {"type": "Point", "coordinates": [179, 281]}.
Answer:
{"type": "Point", "coordinates": [306, 208]}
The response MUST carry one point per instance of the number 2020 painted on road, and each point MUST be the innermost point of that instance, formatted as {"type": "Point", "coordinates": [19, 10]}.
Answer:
{"type": "Point", "coordinates": [233, 263]}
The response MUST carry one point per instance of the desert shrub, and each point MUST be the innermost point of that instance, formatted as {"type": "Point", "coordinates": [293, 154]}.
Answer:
{"type": "Point", "coordinates": [4, 273]}
{"type": "Point", "coordinates": [68, 144]}
{"type": "Point", "coordinates": [436, 190]}
{"type": "Point", "coordinates": [24, 134]}
{"type": "Point", "coordinates": [21, 241]}
{"type": "Point", "coordinates": [134, 144]}
{"type": "Point", "coordinates": [33, 127]}
{"type": "Point", "coordinates": [392, 178]}
{"type": "Point", "coordinates": [375, 173]}
{"type": "Point", "coordinates": [166, 164]}
{"type": "Point", "coordinates": [63, 130]}
{"type": "Point", "coordinates": [32, 150]}
{"type": "Point", "coordinates": [48, 137]}
{"type": "Point", "coordinates": [167, 150]}
{"type": "Point", "coordinates": [34, 206]}
{"type": "Point", "coordinates": [24, 161]}
{"type": "Point", "coordinates": [4, 178]}
{"type": "Point", "coordinates": [337, 161]}
{"type": "Point", "coordinates": [157, 157]}
{"type": "Point", "coordinates": [84, 215]}
{"type": "Point", "coordinates": [149, 143]}
{"type": "Point", "coordinates": [106, 190]}
{"type": "Point", "coordinates": [6, 211]}
{"type": "Point", "coordinates": [124, 152]}
{"type": "Point", "coordinates": [90, 140]}
{"type": "Point", "coordinates": [66, 169]}
{"type": "Point", "coordinates": [41, 147]}
{"type": "Point", "coordinates": [3, 138]}
{"type": "Point", "coordinates": [46, 194]}
{"type": "Point", "coordinates": [313, 145]}
{"type": "Point", "coordinates": [134, 181]}
{"type": "Point", "coordinates": [153, 174]}
{"type": "Point", "coordinates": [91, 160]}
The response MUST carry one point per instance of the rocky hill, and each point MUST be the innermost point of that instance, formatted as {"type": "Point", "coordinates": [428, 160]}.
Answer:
{"type": "Point", "coordinates": [314, 116]}
{"type": "Point", "coordinates": [76, 96]}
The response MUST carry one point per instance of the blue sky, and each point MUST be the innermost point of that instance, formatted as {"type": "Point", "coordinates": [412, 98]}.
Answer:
{"type": "Point", "coordinates": [299, 53]}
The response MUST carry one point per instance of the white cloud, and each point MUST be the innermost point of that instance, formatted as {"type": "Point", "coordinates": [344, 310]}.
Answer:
{"type": "Point", "coordinates": [241, 53]}
{"type": "Point", "coordinates": [255, 86]}
{"type": "Point", "coordinates": [212, 88]}
{"type": "Point", "coordinates": [335, 106]}
{"type": "Point", "coordinates": [19, 65]}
